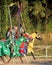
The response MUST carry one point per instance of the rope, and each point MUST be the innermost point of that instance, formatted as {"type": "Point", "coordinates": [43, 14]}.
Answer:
{"type": "Point", "coordinates": [23, 21]}
{"type": "Point", "coordinates": [10, 17]}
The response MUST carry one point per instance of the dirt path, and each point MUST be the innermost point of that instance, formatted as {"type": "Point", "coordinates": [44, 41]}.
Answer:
{"type": "Point", "coordinates": [29, 61]}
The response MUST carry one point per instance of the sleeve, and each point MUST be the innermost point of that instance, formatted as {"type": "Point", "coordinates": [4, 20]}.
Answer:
{"type": "Point", "coordinates": [8, 34]}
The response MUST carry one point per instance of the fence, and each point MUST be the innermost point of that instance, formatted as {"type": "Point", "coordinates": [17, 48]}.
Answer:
{"type": "Point", "coordinates": [43, 51]}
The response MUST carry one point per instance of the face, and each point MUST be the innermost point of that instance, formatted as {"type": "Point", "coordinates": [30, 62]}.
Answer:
{"type": "Point", "coordinates": [38, 36]}
{"type": "Point", "coordinates": [15, 28]}
{"type": "Point", "coordinates": [10, 29]}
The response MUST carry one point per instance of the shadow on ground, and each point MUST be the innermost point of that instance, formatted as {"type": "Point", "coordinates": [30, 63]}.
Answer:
{"type": "Point", "coordinates": [41, 62]}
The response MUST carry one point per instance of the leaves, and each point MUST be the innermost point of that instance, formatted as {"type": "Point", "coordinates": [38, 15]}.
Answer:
{"type": "Point", "coordinates": [33, 15]}
{"type": "Point", "coordinates": [39, 9]}
{"type": "Point", "coordinates": [44, 1]}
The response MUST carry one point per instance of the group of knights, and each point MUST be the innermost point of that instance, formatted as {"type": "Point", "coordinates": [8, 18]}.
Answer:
{"type": "Point", "coordinates": [14, 34]}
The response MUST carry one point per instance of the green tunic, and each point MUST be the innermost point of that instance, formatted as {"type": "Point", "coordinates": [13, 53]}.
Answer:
{"type": "Point", "coordinates": [6, 46]}
{"type": "Point", "coordinates": [3, 49]}
{"type": "Point", "coordinates": [20, 40]}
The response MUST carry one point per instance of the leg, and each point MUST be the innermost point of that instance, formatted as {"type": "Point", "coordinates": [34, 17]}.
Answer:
{"type": "Point", "coordinates": [21, 59]}
{"type": "Point", "coordinates": [5, 60]}
{"type": "Point", "coordinates": [33, 55]}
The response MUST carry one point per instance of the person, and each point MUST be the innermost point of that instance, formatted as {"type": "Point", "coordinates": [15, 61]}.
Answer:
{"type": "Point", "coordinates": [3, 39]}
{"type": "Point", "coordinates": [23, 48]}
{"type": "Point", "coordinates": [16, 32]}
{"type": "Point", "coordinates": [8, 33]}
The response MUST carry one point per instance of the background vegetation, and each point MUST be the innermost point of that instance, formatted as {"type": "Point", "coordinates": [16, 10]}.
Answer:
{"type": "Point", "coordinates": [36, 15]}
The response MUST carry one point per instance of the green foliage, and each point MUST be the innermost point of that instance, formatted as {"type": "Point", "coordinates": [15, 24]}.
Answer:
{"type": "Point", "coordinates": [44, 1]}
{"type": "Point", "coordinates": [4, 17]}
{"type": "Point", "coordinates": [26, 20]}
{"type": "Point", "coordinates": [9, 1]}
{"type": "Point", "coordinates": [37, 10]}
{"type": "Point", "coordinates": [42, 14]}
{"type": "Point", "coordinates": [49, 25]}
{"type": "Point", "coordinates": [39, 26]}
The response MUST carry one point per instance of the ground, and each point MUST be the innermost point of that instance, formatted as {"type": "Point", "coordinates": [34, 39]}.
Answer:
{"type": "Point", "coordinates": [28, 61]}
